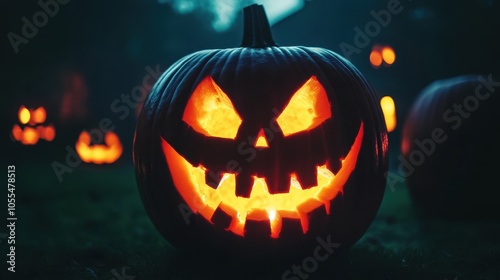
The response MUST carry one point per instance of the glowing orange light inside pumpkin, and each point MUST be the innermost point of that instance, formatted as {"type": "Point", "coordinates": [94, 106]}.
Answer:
{"type": "Point", "coordinates": [261, 140]}
{"type": "Point", "coordinates": [27, 136]}
{"type": "Point", "coordinates": [389, 110]}
{"type": "Point", "coordinates": [24, 115]}
{"type": "Point", "coordinates": [375, 58]}
{"type": "Point", "coordinates": [47, 133]}
{"type": "Point", "coordinates": [17, 132]}
{"type": "Point", "coordinates": [261, 205]}
{"type": "Point", "coordinates": [50, 133]}
{"type": "Point", "coordinates": [308, 108]}
{"type": "Point", "coordinates": [388, 55]}
{"type": "Point", "coordinates": [30, 134]}
{"type": "Point", "coordinates": [38, 116]}
{"type": "Point", "coordinates": [108, 152]}
{"type": "Point", "coordinates": [382, 55]}
{"type": "Point", "coordinates": [210, 112]}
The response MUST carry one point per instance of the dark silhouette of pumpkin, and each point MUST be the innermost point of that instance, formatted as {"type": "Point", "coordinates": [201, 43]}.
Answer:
{"type": "Point", "coordinates": [449, 146]}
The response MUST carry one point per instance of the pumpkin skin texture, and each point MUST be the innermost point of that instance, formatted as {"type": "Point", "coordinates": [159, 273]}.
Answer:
{"type": "Point", "coordinates": [453, 176]}
{"type": "Point", "coordinates": [254, 142]}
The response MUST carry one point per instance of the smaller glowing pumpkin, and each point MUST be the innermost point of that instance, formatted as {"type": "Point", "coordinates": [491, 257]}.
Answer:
{"type": "Point", "coordinates": [33, 126]}
{"type": "Point", "coordinates": [108, 152]}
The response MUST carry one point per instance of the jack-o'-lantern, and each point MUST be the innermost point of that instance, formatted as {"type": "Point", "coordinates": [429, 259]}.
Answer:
{"type": "Point", "coordinates": [33, 127]}
{"type": "Point", "coordinates": [107, 152]}
{"type": "Point", "coordinates": [258, 150]}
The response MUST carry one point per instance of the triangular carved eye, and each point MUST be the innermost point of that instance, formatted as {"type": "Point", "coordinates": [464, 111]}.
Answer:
{"type": "Point", "coordinates": [308, 108]}
{"type": "Point", "coordinates": [210, 111]}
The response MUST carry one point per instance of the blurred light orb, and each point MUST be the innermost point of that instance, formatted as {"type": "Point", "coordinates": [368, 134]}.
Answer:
{"type": "Point", "coordinates": [382, 56]}
{"type": "Point", "coordinates": [388, 55]}
{"type": "Point", "coordinates": [389, 110]}
{"type": "Point", "coordinates": [375, 58]}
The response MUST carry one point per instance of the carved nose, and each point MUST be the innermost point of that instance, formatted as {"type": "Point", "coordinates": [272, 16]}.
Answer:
{"type": "Point", "coordinates": [261, 140]}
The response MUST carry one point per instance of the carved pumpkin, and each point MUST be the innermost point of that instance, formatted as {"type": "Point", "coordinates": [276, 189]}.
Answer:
{"type": "Point", "coordinates": [33, 128]}
{"type": "Point", "coordinates": [450, 148]}
{"type": "Point", "coordinates": [108, 152]}
{"type": "Point", "coordinates": [269, 147]}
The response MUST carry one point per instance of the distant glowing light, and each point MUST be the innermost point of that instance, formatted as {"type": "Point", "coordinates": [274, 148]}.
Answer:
{"type": "Point", "coordinates": [389, 110]}
{"type": "Point", "coordinates": [30, 136]}
{"type": "Point", "coordinates": [382, 56]}
{"type": "Point", "coordinates": [39, 115]}
{"type": "Point", "coordinates": [24, 115]}
{"type": "Point", "coordinates": [17, 132]}
{"type": "Point", "coordinates": [108, 152]}
{"type": "Point", "coordinates": [388, 55]}
{"type": "Point", "coordinates": [48, 133]}
{"type": "Point", "coordinates": [376, 58]}
{"type": "Point", "coordinates": [32, 129]}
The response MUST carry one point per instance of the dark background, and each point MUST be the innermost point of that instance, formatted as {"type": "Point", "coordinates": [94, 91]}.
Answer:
{"type": "Point", "coordinates": [92, 224]}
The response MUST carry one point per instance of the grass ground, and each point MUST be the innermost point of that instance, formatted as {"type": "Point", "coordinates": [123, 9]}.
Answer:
{"type": "Point", "coordinates": [93, 226]}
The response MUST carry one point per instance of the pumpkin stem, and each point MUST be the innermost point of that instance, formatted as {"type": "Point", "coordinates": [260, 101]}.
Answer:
{"type": "Point", "coordinates": [256, 28]}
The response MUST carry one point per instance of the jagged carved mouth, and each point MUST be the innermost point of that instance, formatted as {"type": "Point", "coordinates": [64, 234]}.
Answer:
{"type": "Point", "coordinates": [190, 182]}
